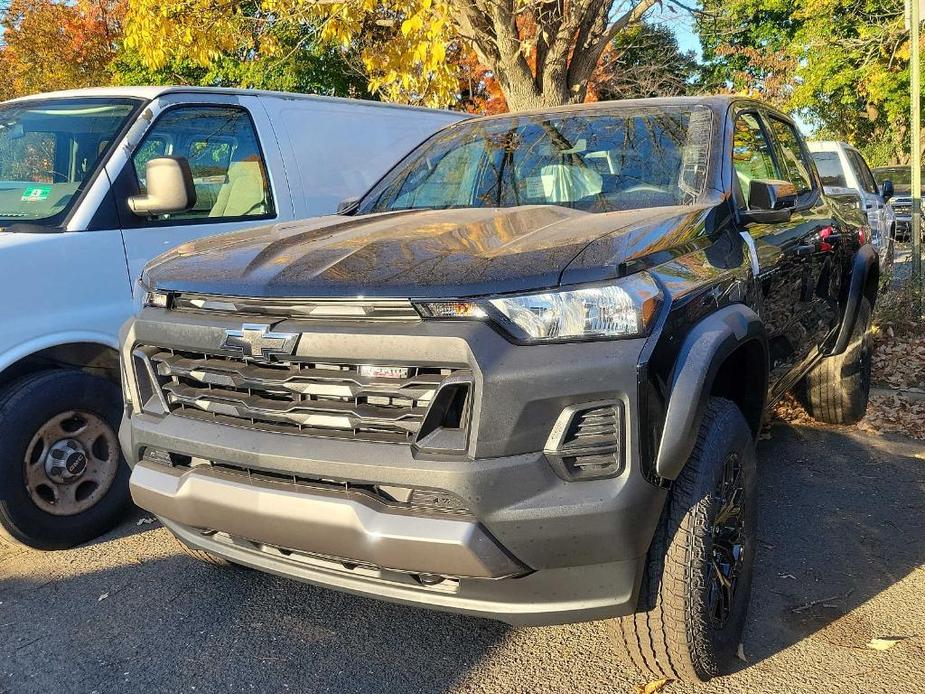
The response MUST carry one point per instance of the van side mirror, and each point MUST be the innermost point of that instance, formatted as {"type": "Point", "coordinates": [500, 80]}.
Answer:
{"type": "Point", "coordinates": [886, 190]}
{"type": "Point", "coordinates": [769, 202]}
{"type": "Point", "coordinates": [169, 183]}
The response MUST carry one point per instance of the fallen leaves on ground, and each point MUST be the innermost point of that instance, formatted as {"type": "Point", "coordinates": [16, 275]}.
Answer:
{"type": "Point", "coordinates": [895, 414]}
{"type": "Point", "coordinates": [899, 362]}
{"type": "Point", "coordinates": [653, 686]}
{"type": "Point", "coordinates": [884, 643]}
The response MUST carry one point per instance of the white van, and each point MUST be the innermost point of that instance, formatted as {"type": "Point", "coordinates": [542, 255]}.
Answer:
{"type": "Point", "coordinates": [95, 183]}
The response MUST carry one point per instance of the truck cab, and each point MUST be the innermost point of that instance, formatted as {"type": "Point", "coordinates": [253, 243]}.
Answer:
{"type": "Point", "coordinates": [80, 216]}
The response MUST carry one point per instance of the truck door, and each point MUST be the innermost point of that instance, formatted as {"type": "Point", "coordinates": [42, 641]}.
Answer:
{"type": "Point", "coordinates": [794, 275]}
{"type": "Point", "coordinates": [236, 165]}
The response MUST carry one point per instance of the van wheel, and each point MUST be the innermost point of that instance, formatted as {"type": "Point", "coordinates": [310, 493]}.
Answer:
{"type": "Point", "coordinates": [696, 586]}
{"type": "Point", "coordinates": [837, 389]}
{"type": "Point", "coordinates": [63, 480]}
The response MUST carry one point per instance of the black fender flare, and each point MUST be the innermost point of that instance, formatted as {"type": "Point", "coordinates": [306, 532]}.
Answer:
{"type": "Point", "coordinates": [705, 348]}
{"type": "Point", "coordinates": [865, 262]}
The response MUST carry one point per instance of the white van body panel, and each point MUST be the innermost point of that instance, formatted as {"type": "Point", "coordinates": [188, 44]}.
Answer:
{"type": "Point", "coordinates": [59, 288]}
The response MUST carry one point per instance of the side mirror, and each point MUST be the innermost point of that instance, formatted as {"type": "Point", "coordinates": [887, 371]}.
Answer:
{"type": "Point", "coordinates": [886, 190]}
{"type": "Point", "coordinates": [769, 202]}
{"type": "Point", "coordinates": [347, 206]}
{"type": "Point", "coordinates": [169, 182]}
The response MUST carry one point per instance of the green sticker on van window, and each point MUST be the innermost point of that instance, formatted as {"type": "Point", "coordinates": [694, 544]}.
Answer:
{"type": "Point", "coordinates": [36, 193]}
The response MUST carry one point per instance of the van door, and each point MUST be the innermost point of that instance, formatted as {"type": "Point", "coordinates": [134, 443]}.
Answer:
{"type": "Point", "coordinates": [795, 286]}
{"type": "Point", "coordinates": [236, 165]}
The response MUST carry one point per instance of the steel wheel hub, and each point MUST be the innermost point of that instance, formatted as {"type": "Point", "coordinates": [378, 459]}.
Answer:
{"type": "Point", "coordinates": [71, 462]}
{"type": "Point", "coordinates": [66, 461]}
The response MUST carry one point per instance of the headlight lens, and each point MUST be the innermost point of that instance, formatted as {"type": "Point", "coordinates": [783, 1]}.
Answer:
{"type": "Point", "coordinates": [157, 299]}
{"type": "Point", "coordinates": [623, 309]}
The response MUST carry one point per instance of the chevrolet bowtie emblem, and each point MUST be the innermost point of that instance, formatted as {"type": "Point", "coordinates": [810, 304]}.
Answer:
{"type": "Point", "coordinates": [255, 341]}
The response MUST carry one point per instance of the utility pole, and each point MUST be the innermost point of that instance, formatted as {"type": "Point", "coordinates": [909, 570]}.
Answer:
{"type": "Point", "coordinates": [915, 89]}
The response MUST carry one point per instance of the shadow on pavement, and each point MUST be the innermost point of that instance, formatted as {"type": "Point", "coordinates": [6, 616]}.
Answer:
{"type": "Point", "coordinates": [840, 522]}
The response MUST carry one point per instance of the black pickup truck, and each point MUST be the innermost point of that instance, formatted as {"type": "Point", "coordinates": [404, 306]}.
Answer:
{"type": "Point", "coordinates": [521, 378]}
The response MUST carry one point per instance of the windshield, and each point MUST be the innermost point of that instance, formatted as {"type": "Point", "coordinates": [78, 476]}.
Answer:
{"type": "Point", "coordinates": [830, 169]}
{"type": "Point", "coordinates": [48, 151]}
{"type": "Point", "coordinates": [900, 175]}
{"type": "Point", "coordinates": [626, 158]}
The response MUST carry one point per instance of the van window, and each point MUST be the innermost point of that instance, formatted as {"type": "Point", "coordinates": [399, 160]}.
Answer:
{"type": "Point", "coordinates": [794, 166]}
{"type": "Point", "coordinates": [221, 146]}
{"type": "Point", "coordinates": [49, 150]}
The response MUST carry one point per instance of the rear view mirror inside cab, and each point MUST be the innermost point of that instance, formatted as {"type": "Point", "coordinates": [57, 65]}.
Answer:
{"type": "Point", "coordinates": [170, 189]}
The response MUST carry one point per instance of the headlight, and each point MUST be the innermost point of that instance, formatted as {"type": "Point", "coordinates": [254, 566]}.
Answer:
{"type": "Point", "coordinates": [623, 309]}
{"type": "Point", "coordinates": [157, 299]}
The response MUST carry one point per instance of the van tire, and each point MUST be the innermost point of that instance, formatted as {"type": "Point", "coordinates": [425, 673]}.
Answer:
{"type": "Point", "coordinates": [26, 406]}
{"type": "Point", "coordinates": [676, 632]}
{"type": "Point", "coordinates": [837, 389]}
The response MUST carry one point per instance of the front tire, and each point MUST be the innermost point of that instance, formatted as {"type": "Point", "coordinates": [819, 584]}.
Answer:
{"type": "Point", "coordinates": [695, 590]}
{"type": "Point", "coordinates": [201, 555]}
{"type": "Point", "coordinates": [63, 480]}
{"type": "Point", "coordinates": [837, 389]}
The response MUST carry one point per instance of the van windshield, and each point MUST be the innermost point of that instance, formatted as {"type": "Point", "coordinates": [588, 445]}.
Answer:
{"type": "Point", "coordinates": [49, 149]}
{"type": "Point", "coordinates": [598, 161]}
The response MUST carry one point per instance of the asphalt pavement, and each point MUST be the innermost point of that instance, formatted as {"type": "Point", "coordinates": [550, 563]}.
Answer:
{"type": "Point", "coordinates": [840, 562]}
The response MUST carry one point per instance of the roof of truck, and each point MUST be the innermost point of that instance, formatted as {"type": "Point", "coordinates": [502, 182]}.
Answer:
{"type": "Point", "coordinates": [149, 93]}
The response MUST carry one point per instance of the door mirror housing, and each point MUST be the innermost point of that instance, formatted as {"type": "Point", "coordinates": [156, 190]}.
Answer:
{"type": "Point", "coordinates": [769, 201]}
{"type": "Point", "coordinates": [348, 206]}
{"type": "Point", "coordinates": [170, 189]}
{"type": "Point", "coordinates": [886, 190]}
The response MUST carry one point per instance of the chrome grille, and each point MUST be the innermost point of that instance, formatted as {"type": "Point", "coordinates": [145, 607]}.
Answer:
{"type": "Point", "coordinates": [312, 398]}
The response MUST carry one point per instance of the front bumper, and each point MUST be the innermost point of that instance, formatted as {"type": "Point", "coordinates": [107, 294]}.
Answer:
{"type": "Point", "coordinates": [531, 547]}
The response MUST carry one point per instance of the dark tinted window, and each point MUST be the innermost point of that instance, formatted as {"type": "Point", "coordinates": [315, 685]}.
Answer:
{"type": "Point", "coordinates": [751, 153]}
{"type": "Point", "coordinates": [627, 159]}
{"type": "Point", "coordinates": [795, 167]}
{"type": "Point", "coordinates": [864, 176]}
{"type": "Point", "coordinates": [830, 169]}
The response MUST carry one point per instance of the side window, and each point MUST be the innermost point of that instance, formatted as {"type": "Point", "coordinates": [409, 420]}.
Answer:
{"type": "Point", "coordinates": [865, 177]}
{"type": "Point", "coordinates": [751, 153]}
{"type": "Point", "coordinates": [221, 146]}
{"type": "Point", "coordinates": [795, 167]}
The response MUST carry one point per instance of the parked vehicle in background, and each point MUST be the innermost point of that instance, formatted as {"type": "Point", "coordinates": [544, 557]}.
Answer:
{"type": "Point", "coordinates": [901, 179]}
{"type": "Point", "coordinates": [847, 177]}
{"type": "Point", "coordinates": [522, 380]}
{"type": "Point", "coordinates": [93, 184]}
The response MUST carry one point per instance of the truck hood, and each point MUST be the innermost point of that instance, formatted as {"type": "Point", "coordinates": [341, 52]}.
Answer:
{"type": "Point", "coordinates": [422, 253]}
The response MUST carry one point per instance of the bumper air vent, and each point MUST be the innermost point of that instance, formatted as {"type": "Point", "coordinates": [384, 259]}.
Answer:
{"type": "Point", "coordinates": [587, 441]}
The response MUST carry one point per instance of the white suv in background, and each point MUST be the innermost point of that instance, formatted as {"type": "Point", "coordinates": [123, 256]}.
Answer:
{"type": "Point", "coordinates": [94, 184]}
{"type": "Point", "coordinates": [845, 175]}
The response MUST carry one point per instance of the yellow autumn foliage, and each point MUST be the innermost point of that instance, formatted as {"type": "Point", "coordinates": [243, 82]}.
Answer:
{"type": "Point", "coordinates": [402, 43]}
